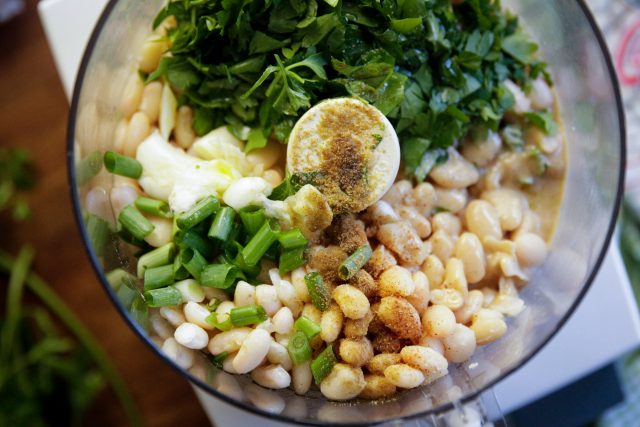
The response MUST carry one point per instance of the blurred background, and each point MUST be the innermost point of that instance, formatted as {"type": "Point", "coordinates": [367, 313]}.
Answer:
{"type": "Point", "coordinates": [61, 382]}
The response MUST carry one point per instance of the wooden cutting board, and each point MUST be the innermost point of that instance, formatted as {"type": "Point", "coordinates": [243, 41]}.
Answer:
{"type": "Point", "coordinates": [33, 114]}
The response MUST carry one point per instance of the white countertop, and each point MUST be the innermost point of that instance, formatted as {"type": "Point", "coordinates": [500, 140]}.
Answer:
{"type": "Point", "coordinates": [608, 311]}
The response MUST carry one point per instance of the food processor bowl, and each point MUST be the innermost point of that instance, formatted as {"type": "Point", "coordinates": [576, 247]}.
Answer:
{"type": "Point", "coordinates": [592, 115]}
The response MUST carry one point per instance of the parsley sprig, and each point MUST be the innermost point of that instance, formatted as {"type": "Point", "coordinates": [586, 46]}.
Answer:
{"type": "Point", "coordinates": [433, 68]}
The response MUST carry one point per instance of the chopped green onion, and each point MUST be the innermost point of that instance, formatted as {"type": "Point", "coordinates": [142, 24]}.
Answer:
{"type": "Point", "coordinates": [158, 277]}
{"type": "Point", "coordinates": [88, 167]}
{"type": "Point", "coordinates": [98, 231]}
{"type": "Point", "coordinates": [193, 262]}
{"type": "Point", "coordinates": [354, 263]}
{"type": "Point", "coordinates": [222, 224]}
{"type": "Point", "coordinates": [212, 319]}
{"type": "Point", "coordinates": [308, 326]}
{"type": "Point", "coordinates": [318, 291]}
{"type": "Point", "coordinates": [154, 207]}
{"type": "Point", "coordinates": [198, 212]}
{"type": "Point", "coordinates": [292, 239]}
{"type": "Point", "coordinates": [122, 165]}
{"type": "Point", "coordinates": [135, 223]}
{"type": "Point", "coordinates": [291, 259]}
{"type": "Point", "coordinates": [155, 258]}
{"type": "Point", "coordinates": [127, 296]}
{"type": "Point", "coordinates": [218, 359]}
{"type": "Point", "coordinates": [163, 297]}
{"type": "Point", "coordinates": [221, 276]}
{"type": "Point", "coordinates": [191, 239]}
{"type": "Point", "coordinates": [252, 218]}
{"type": "Point", "coordinates": [299, 348]}
{"type": "Point", "coordinates": [179, 272]}
{"type": "Point", "coordinates": [247, 315]}
{"type": "Point", "coordinates": [323, 364]}
{"type": "Point", "coordinates": [259, 244]}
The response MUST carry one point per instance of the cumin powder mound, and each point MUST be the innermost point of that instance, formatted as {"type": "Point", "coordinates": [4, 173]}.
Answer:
{"type": "Point", "coordinates": [346, 155]}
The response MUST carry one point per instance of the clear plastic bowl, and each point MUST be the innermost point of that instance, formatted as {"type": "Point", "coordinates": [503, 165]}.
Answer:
{"type": "Point", "coordinates": [591, 109]}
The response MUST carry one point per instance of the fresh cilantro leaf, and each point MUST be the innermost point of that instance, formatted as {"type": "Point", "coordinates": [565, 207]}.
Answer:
{"type": "Point", "coordinates": [261, 43]}
{"type": "Point", "coordinates": [406, 25]}
{"type": "Point", "coordinates": [542, 120]}
{"type": "Point", "coordinates": [520, 47]}
{"type": "Point", "coordinates": [255, 140]}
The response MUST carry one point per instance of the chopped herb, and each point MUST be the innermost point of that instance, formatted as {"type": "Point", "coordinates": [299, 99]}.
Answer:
{"type": "Point", "coordinates": [433, 68]}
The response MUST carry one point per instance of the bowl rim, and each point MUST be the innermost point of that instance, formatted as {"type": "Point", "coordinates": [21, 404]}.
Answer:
{"type": "Point", "coordinates": [97, 266]}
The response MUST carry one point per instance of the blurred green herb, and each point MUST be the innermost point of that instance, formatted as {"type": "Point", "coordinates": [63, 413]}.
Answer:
{"type": "Point", "coordinates": [16, 175]}
{"type": "Point", "coordinates": [47, 376]}
{"type": "Point", "coordinates": [433, 68]}
{"type": "Point", "coordinates": [630, 245]}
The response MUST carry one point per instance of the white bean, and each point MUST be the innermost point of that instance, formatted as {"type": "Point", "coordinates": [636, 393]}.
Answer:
{"type": "Point", "coordinates": [215, 293]}
{"type": "Point", "coordinates": [222, 312]}
{"type": "Point", "coordinates": [131, 96]}
{"type": "Point", "coordinates": [172, 315]}
{"type": "Point", "coordinates": [400, 193]}
{"type": "Point", "coordinates": [283, 321]}
{"type": "Point", "coordinates": [183, 131]}
{"type": "Point", "coordinates": [459, 346]}
{"type": "Point", "coordinates": [482, 219]}
{"type": "Point", "coordinates": [488, 325]}
{"type": "Point", "coordinates": [510, 206]}
{"type": "Point", "coordinates": [267, 297]}
{"type": "Point", "coordinates": [452, 200]}
{"type": "Point", "coordinates": [229, 341]}
{"type": "Point", "coordinates": [456, 172]}
{"type": "Point", "coordinates": [182, 356]}
{"type": "Point", "coordinates": [151, 52]}
{"type": "Point", "coordinates": [425, 198]}
{"type": "Point", "coordinates": [382, 213]}
{"type": "Point", "coordinates": [472, 304]}
{"type": "Point", "coordinates": [442, 245]}
{"type": "Point", "coordinates": [447, 222]}
{"type": "Point", "coordinates": [454, 277]}
{"type": "Point", "coordinates": [438, 321]}
{"type": "Point", "coordinates": [191, 336]}
{"type": "Point", "coordinates": [541, 96]}
{"type": "Point", "coordinates": [267, 156]}
{"type": "Point", "coordinates": [381, 361]}
{"type": "Point", "coordinates": [353, 303]}
{"type": "Point", "coordinates": [297, 280]}
{"type": "Point", "coordinates": [273, 177]}
{"type": "Point", "coordinates": [311, 311]}
{"type": "Point", "coordinates": [245, 294]}
{"type": "Point", "coordinates": [120, 135]}
{"type": "Point", "coordinates": [469, 250]}
{"type": "Point", "coordinates": [531, 249]}
{"type": "Point", "coordinates": [449, 297]}
{"type": "Point", "coordinates": [254, 348]}
{"type": "Point", "coordinates": [432, 343]}
{"type": "Point", "coordinates": [279, 355]}
{"type": "Point", "coordinates": [288, 296]}
{"type": "Point", "coordinates": [429, 361]}
{"type": "Point", "coordinates": [481, 153]}
{"type": "Point", "coordinates": [404, 376]}
{"type": "Point", "coordinates": [227, 364]}
{"type": "Point", "coordinates": [420, 296]}
{"type": "Point", "coordinates": [301, 377]}
{"type": "Point", "coordinates": [138, 130]}
{"type": "Point", "coordinates": [150, 104]}
{"type": "Point", "coordinates": [331, 323]}
{"type": "Point", "coordinates": [355, 351]}
{"type": "Point", "coordinates": [396, 281]}
{"type": "Point", "coordinates": [197, 314]}
{"type": "Point", "coordinates": [343, 383]}
{"type": "Point", "coordinates": [417, 221]}
{"type": "Point", "coordinates": [434, 269]}
{"type": "Point", "coordinates": [271, 376]}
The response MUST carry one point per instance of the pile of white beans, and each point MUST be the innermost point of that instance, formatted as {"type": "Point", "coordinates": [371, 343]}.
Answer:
{"type": "Point", "coordinates": [449, 257]}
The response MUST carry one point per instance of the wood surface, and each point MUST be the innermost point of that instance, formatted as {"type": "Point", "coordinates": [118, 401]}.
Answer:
{"type": "Point", "coordinates": [33, 114]}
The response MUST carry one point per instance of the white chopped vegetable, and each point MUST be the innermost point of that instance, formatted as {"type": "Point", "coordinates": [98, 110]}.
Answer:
{"type": "Point", "coordinates": [168, 108]}
{"type": "Point", "coordinates": [247, 192]}
{"type": "Point", "coordinates": [221, 144]}
{"type": "Point", "coordinates": [171, 174]}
